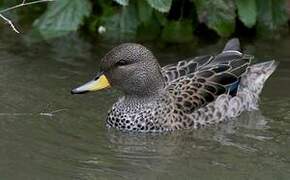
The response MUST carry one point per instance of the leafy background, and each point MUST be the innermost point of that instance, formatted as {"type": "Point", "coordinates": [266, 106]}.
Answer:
{"type": "Point", "coordinates": [173, 21]}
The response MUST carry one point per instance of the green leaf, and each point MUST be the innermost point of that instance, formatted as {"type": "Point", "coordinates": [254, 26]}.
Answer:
{"type": "Point", "coordinates": [150, 30]}
{"type": "Point", "coordinates": [122, 2]}
{"type": "Point", "coordinates": [160, 5]}
{"type": "Point", "coordinates": [62, 16]}
{"type": "Point", "coordinates": [12, 15]}
{"type": "Point", "coordinates": [218, 15]}
{"type": "Point", "coordinates": [178, 32]}
{"type": "Point", "coordinates": [8, 3]}
{"type": "Point", "coordinates": [247, 11]}
{"type": "Point", "coordinates": [123, 25]}
{"type": "Point", "coordinates": [145, 11]}
{"type": "Point", "coordinates": [272, 14]}
{"type": "Point", "coordinates": [161, 18]}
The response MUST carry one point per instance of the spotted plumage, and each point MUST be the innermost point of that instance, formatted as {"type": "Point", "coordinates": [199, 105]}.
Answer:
{"type": "Point", "coordinates": [193, 93]}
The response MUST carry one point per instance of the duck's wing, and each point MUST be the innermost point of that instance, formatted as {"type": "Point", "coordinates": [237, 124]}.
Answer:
{"type": "Point", "coordinates": [172, 72]}
{"type": "Point", "coordinates": [220, 76]}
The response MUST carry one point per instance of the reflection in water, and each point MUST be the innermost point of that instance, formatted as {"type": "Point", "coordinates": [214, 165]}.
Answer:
{"type": "Point", "coordinates": [46, 133]}
{"type": "Point", "coordinates": [132, 142]}
{"type": "Point", "coordinates": [159, 152]}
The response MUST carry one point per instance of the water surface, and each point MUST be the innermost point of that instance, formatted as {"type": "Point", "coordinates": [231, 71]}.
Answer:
{"type": "Point", "coordinates": [46, 133]}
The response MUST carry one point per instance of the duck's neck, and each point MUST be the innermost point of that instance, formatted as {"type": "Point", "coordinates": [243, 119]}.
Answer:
{"type": "Point", "coordinates": [147, 88]}
{"type": "Point", "coordinates": [137, 101]}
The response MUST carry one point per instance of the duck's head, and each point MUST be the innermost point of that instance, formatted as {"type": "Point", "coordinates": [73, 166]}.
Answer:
{"type": "Point", "coordinates": [129, 67]}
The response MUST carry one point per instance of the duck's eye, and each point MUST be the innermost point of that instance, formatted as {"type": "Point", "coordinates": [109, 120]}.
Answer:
{"type": "Point", "coordinates": [122, 62]}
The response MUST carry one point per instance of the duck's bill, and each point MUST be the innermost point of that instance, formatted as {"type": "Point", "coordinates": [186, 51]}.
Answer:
{"type": "Point", "coordinates": [98, 83]}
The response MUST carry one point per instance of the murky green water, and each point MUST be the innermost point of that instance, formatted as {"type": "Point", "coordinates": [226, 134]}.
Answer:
{"type": "Point", "coordinates": [46, 133]}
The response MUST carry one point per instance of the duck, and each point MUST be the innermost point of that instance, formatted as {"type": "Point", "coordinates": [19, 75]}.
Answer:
{"type": "Point", "coordinates": [190, 94]}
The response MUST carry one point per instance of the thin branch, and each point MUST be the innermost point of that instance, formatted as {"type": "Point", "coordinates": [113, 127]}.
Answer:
{"type": "Point", "coordinates": [10, 23]}
{"type": "Point", "coordinates": [49, 114]}
{"type": "Point", "coordinates": [24, 4]}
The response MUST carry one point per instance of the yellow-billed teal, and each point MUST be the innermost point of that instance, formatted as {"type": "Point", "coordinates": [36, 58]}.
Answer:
{"type": "Point", "coordinates": [190, 94]}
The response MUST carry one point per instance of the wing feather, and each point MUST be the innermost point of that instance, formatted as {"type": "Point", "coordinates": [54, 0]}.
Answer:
{"type": "Point", "coordinates": [210, 79]}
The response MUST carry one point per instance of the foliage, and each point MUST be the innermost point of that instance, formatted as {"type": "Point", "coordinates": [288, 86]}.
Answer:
{"type": "Point", "coordinates": [177, 31]}
{"type": "Point", "coordinates": [62, 17]}
{"type": "Point", "coordinates": [167, 20]}
{"type": "Point", "coordinates": [123, 24]}
{"type": "Point", "coordinates": [122, 2]}
{"type": "Point", "coordinates": [272, 14]}
{"type": "Point", "coordinates": [160, 5]}
{"type": "Point", "coordinates": [219, 15]}
{"type": "Point", "coordinates": [247, 11]}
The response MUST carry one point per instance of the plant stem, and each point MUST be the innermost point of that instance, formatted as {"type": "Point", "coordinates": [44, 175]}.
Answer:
{"type": "Point", "coordinates": [10, 23]}
{"type": "Point", "coordinates": [24, 3]}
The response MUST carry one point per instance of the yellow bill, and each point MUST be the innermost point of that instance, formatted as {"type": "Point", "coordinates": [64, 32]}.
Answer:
{"type": "Point", "coordinates": [100, 82]}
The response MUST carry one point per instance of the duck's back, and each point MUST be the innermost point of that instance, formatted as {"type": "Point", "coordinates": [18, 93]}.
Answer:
{"type": "Point", "coordinates": [208, 76]}
{"type": "Point", "coordinates": [211, 89]}
{"type": "Point", "coordinates": [186, 67]}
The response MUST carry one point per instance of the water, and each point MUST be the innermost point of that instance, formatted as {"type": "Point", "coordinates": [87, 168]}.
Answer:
{"type": "Point", "coordinates": [46, 133]}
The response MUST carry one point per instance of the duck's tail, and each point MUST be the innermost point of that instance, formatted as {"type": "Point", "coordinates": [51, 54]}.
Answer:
{"type": "Point", "coordinates": [257, 75]}
{"type": "Point", "coordinates": [232, 45]}
{"type": "Point", "coordinates": [252, 82]}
